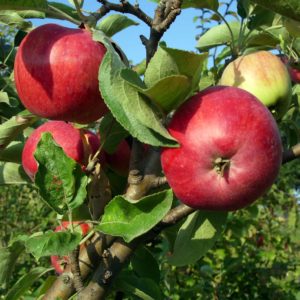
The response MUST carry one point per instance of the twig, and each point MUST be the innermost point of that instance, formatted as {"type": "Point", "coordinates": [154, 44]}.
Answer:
{"type": "Point", "coordinates": [124, 7]}
{"type": "Point", "coordinates": [291, 154]}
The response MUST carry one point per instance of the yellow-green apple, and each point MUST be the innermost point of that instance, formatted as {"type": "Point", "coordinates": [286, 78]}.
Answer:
{"type": "Point", "coordinates": [59, 262]}
{"type": "Point", "coordinates": [56, 74]}
{"type": "Point", "coordinates": [230, 150]}
{"type": "Point", "coordinates": [265, 76]}
{"type": "Point", "coordinates": [77, 144]}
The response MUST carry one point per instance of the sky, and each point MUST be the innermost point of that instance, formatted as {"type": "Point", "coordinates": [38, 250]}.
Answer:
{"type": "Point", "coordinates": [180, 35]}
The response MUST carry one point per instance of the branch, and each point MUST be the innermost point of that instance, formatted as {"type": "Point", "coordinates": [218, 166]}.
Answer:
{"type": "Point", "coordinates": [124, 7]}
{"type": "Point", "coordinates": [120, 252]}
{"type": "Point", "coordinates": [291, 154]}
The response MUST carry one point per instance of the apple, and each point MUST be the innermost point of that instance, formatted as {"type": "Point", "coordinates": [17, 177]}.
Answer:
{"type": "Point", "coordinates": [56, 74]}
{"type": "Point", "coordinates": [58, 262]}
{"type": "Point", "coordinates": [77, 144]}
{"type": "Point", "coordinates": [263, 75]}
{"type": "Point", "coordinates": [230, 150]}
{"type": "Point", "coordinates": [293, 68]}
{"type": "Point", "coordinates": [119, 160]}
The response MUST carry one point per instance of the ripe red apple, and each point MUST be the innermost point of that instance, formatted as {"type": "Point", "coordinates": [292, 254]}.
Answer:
{"type": "Point", "coordinates": [56, 74]}
{"type": "Point", "coordinates": [263, 75]}
{"type": "Point", "coordinates": [59, 263]}
{"type": "Point", "coordinates": [77, 144]}
{"type": "Point", "coordinates": [230, 150]}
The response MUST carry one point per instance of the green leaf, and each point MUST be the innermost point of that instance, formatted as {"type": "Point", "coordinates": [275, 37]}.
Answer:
{"type": "Point", "coordinates": [170, 92]}
{"type": "Point", "coordinates": [23, 4]}
{"type": "Point", "coordinates": [61, 182]}
{"type": "Point", "coordinates": [12, 153]}
{"type": "Point", "coordinates": [287, 8]}
{"type": "Point", "coordinates": [8, 259]}
{"type": "Point", "coordinates": [145, 265]}
{"type": "Point", "coordinates": [219, 35]}
{"type": "Point", "coordinates": [114, 24]}
{"type": "Point", "coordinates": [52, 243]}
{"type": "Point", "coordinates": [128, 106]}
{"type": "Point", "coordinates": [196, 236]}
{"type": "Point", "coordinates": [71, 11]}
{"type": "Point", "coordinates": [167, 62]}
{"type": "Point", "coordinates": [130, 220]}
{"type": "Point", "coordinates": [25, 282]}
{"type": "Point", "coordinates": [14, 126]}
{"type": "Point", "coordinates": [12, 18]}
{"type": "Point", "coordinates": [210, 4]}
{"type": "Point", "coordinates": [12, 173]}
{"type": "Point", "coordinates": [111, 132]}
{"type": "Point", "coordinates": [143, 288]}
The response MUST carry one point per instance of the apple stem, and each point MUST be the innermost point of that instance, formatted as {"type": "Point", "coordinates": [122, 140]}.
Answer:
{"type": "Point", "coordinates": [221, 165]}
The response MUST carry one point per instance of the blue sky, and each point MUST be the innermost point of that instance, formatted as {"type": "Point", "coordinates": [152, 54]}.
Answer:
{"type": "Point", "coordinates": [180, 35]}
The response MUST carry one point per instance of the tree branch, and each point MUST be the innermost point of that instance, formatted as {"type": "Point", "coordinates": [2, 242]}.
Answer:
{"type": "Point", "coordinates": [124, 7]}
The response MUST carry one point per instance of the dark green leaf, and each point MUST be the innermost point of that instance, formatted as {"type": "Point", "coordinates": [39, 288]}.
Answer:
{"type": "Point", "coordinates": [61, 182]}
{"type": "Point", "coordinates": [130, 220]}
{"type": "Point", "coordinates": [71, 11]}
{"type": "Point", "coordinates": [25, 282]}
{"type": "Point", "coordinates": [12, 153]}
{"type": "Point", "coordinates": [111, 132]}
{"type": "Point", "coordinates": [196, 236]}
{"type": "Point", "coordinates": [23, 4]}
{"type": "Point", "coordinates": [287, 8]}
{"type": "Point", "coordinates": [127, 105]}
{"type": "Point", "coordinates": [52, 243]}
{"type": "Point", "coordinates": [145, 265]}
{"type": "Point", "coordinates": [143, 288]}
{"type": "Point", "coordinates": [8, 259]}
{"type": "Point", "coordinates": [12, 173]}
{"type": "Point", "coordinates": [114, 24]}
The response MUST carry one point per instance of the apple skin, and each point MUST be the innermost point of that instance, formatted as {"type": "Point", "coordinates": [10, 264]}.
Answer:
{"type": "Point", "coordinates": [58, 262]}
{"type": "Point", "coordinates": [56, 74]}
{"type": "Point", "coordinates": [225, 123]}
{"type": "Point", "coordinates": [263, 75]}
{"type": "Point", "coordinates": [71, 139]}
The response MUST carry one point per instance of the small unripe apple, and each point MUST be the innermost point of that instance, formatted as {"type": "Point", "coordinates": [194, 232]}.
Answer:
{"type": "Point", "coordinates": [76, 144]}
{"type": "Point", "coordinates": [56, 74]}
{"type": "Point", "coordinates": [59, 263]}
{"type": "Point", "coordinates": [263, 75]}
{"type": "Point", "coordinates": [230, 150]}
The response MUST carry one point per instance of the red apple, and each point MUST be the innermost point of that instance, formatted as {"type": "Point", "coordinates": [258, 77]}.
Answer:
{"type": "Point", "coordinates": [263, 75]}
{"type": "Point", "coordinates": [230, 150]}
{"type": "Point", "coordinates": [293, 68]}
{"type": "Point", "coordinates": [56, 74]}
{"type": "Point", "coordinates": [71, 139]}
{"type": "Point", "coordinates": [58, 262]}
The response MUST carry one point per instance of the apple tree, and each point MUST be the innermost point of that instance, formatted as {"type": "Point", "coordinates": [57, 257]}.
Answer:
{"type": "Point", "coordinates": [142, 169]}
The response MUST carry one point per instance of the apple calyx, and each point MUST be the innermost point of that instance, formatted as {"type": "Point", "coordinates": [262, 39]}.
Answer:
{"type": "Point", "coordinates": [221, 165]}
